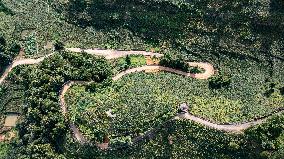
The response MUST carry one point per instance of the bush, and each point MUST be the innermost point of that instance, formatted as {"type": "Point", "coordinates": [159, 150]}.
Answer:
{"type": "Point", "coordinates": [174, 62]}
{"type": "Point", "coordinates": [233, 146]}
{"type": "Point", "coordinates": [31, 45]}
{"type": "Point", "coordinates": [58, 46]}
{"type": "Point", "coordinates": [97, 87]}
{"type": "Point", "coordinates": [41, 93]}
{"type": "Point", "coordinates": [271, 87]}
{"type": "Point", "coordinates": [264, 154]}
{"type": "Point", "coordinates": [7, 53]}
{"type": "Point", "coordinates": [196, 70]}
{"type": "Point", "coordinates": [219, 81]}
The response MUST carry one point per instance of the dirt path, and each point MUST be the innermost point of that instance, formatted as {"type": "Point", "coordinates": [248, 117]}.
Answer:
{"type": "Point", "coordinates": [21, 62]}
{"type": "Point", "coordinates": [113, 54]}
{"type": "Point", "coordinates": [232, 128]}
{"type": "Point", "coordinates": [209, 71]}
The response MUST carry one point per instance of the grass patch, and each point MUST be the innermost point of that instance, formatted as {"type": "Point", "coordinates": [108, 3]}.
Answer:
{"type": "Point", "coordinates": [120, 64]}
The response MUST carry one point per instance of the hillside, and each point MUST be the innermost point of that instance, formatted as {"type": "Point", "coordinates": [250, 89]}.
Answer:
{"type": "Point", "coordinates": [108, 79]}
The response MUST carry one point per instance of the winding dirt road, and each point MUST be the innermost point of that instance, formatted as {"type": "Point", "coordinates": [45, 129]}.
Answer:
{"type": "Point", "coordinates": [112, 54]}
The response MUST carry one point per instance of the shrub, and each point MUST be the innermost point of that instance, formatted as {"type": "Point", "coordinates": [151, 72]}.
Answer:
{"type": "Point", "coordinates": [7, 53]}
{"type": "Point", "coordinates": [58, 46]}
{"type": "Point", "coordinates": [128, 61]}
{"type": "Point", "coordinates": [264, 154]}
{"type": "Point", "coordinates": [174, 62]}
{"type": "Point", "coordinates": [271, 87]}
{"type": "Point", "coordinates": [31, 45]}
{"type": "Point", "coordinates": [219, 81]}
{"type": "Point", "coordinates": [196, 70]}
{"type": "Point", "coordinates": [233, 146]}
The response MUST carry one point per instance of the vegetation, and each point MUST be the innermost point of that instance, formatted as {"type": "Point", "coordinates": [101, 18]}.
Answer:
{"type": "Point", "coordinates": [43, 128]}
{"type": "Point", "coordinates": [4, 148]}
{"type": "Point", "coordinates": [30, 45]}
{"type": "Point", "coordinates": [186, 139]}
{"type": "Point", "coordinates": [196, 70]}
{"type": "Point", "coordinates": [7, 53]}
{"type": "Point", "coordinates": [219, 81]}
{"type": "Point", "coordinates": [131, 98]}
{"type": "Point", "coordinates": [174, 62]}
{"type": "Point", "coordinates": [243, 39]}
{"type": "Point", "coordinates": [127, 62]}
{"type": "Point", "coordinates": [12, 99]}
{"type": "Point", "coordinates": [4, 9]}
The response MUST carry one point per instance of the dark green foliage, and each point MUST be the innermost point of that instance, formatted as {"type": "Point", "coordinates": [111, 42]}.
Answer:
{"type": "Point", "coordinates": [282, 90]}
{"type": "Point", "coordinates": [127, 61]}
{"type": "Point", "coordinates": [7, 53]}
{"type": "Point", "coordinates": [268, 137]}
{"type": "Point", "coordinates": [5, 9]}
{"type": "Point", "coordinates": [58, 46]}
{"type": "Point", "coordinates": [2, 43]}
{"type": "Point", "coordinates": [15, 48]}
{"type": "Point", "coordinates": [243, 37]}
{"type": "Point", "coordinates": [174, 62]}
{"type": "Point", "coordinates": [98, 87]}
{"type": "Point", "coordinates": [271, 87]}
{"type": "Point", "coordinates": [196, 70]}
{"type": "Point", "coordinates": [191, 140]}
{"type": "Point", "coordinates": [43, 128]}
{"type": "Point", "coordinates": [219, 81]}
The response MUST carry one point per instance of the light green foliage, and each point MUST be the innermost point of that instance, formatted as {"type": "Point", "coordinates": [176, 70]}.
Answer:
{"type": "Point", "coordinates": [30, 45]}
{"type": "Point", "coordinates": [120, 64]}
{"type": "Point", "coordinates": [4, 148]}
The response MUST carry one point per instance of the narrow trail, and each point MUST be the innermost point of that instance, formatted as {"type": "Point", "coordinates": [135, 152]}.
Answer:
{"type": "Point", "coordinates": [21, 62]}
{"type": "Point", "coordinates": [113, 54]}
{"type": "Point", "coordinates": [209, 71]}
